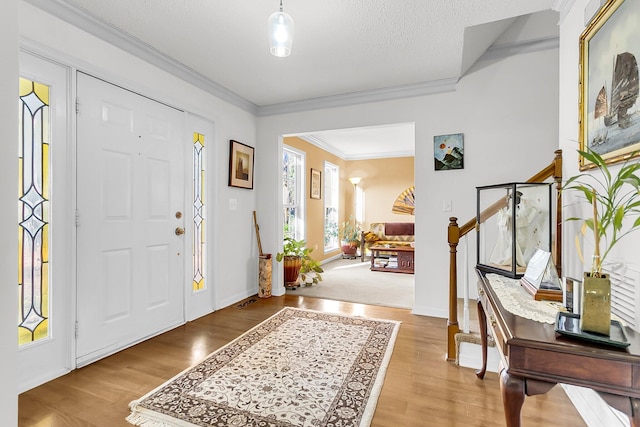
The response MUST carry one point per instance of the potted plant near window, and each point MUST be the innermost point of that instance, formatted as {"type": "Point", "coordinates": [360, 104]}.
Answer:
{"type": "Point", "coordinates": [297, 262]}
{"type": "Point", "coordinates": [616, 213]}
{"type": "Point", "coordinates": [349, 233]}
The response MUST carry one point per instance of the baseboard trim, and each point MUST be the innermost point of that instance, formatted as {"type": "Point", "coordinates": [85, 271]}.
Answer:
{"type": "Point", "coordinates": [593, 409]}
{"type": "Point", "coordinates": [35, 382]}
{"type": "Point", "coordinates": [470, 356]}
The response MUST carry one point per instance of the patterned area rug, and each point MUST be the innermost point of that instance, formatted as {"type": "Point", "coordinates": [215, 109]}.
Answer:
{"type": "Point", "coordinates": [297, 368]}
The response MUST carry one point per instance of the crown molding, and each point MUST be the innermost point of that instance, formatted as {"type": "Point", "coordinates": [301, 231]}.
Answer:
{"type": "Point", "coordinates": [528, 46]}
{"type": "Point", "coordinates": [362, 97]}
{"type": "Point", "coordinates": [81, 19]}
{"type": "Point", "coordinates": [360, 156]}
{"type": "Point", "coordinates": [322, 145]}
{"type": "Point", "coordinates": [563, 7]}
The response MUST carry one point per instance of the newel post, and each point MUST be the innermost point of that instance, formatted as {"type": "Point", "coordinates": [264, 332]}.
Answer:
{"type": "Point", "coordinates": [453, 237]}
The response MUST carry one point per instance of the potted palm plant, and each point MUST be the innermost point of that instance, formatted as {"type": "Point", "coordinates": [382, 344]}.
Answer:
{"type": "Point", "coordinates": [349, 233]}
{"type": "Point", "coordinates": [615, 201]}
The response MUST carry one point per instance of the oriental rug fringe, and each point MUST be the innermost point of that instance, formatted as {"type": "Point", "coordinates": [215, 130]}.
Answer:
{"type": "Point", "coordinates": [297, 368]}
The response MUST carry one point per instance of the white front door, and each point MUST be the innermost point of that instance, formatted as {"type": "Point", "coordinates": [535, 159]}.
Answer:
{"type": "Point", "coordinates": [130, 201]}
{"type": "Point", "coordinates": [45, 226]}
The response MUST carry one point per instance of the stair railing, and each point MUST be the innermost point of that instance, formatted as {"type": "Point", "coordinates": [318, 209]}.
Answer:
{"type": "Point", "coordinates": [455, 232]}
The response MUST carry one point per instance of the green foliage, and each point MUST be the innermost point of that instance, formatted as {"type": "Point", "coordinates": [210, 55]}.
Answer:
{"type": "Point", "coordinates": [310, 269]}
{"type": "Point", "coordinates": [293, 247]}
{"type": "Point", "coordinates": [350, 231]}
{"type": "Point", "coordinates": [616, 197]}
{"type": "Point", "coordinates": [331, 231]}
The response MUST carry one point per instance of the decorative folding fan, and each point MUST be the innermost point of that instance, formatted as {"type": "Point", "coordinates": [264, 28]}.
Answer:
{"type": "Point", "coordinates": [405, 203]}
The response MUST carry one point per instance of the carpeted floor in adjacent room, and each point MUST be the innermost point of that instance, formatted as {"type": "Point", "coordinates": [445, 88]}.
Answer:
{"type": "Point", "coordinates": [352, 281]}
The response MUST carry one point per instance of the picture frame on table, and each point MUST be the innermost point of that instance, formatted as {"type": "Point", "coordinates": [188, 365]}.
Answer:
{"type": "Point", "coordinates": [609, 114]}
{"type": "Point", "coordinates": [240, 165]}
{"type": "Point", "coordinates": [315, 187]}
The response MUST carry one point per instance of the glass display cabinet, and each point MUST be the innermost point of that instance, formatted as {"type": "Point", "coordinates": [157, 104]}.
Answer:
{"type": "Point", "coordinates": [513, 220]}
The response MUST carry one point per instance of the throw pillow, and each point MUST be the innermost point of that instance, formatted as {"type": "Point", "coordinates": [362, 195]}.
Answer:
{"type": "Point", "coordinates": [370, 237]}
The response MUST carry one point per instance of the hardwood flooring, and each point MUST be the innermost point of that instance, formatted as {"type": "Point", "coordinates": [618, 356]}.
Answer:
{"type": "Point", "coordinates": [420, 388]}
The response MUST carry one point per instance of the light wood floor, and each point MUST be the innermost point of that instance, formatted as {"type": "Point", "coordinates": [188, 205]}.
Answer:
{"type": "Point", "coordinates": [420, 388]}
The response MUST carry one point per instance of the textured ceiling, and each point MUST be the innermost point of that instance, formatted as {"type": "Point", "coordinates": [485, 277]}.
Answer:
{"type": "Point", "coordinates": [347, 49]}
{"type": "Point", "coordinates": [339, 46]}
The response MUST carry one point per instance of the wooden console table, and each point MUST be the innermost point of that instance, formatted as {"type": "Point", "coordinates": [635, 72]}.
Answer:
{"type": "Point", "coordinates": [404, 255]}
{"type": "Point", "coordinates": [534, 359]}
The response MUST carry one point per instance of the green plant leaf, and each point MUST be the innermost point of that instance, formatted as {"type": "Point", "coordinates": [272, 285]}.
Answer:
{"type": "Point", "coordinates": [613, 202]}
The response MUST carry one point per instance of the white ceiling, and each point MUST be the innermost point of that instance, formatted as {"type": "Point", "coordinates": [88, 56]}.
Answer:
{"type": "Point", "coordinates": [343, 51]}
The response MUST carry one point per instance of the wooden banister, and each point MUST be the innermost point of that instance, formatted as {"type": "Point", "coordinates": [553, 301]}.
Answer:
{"type": "Point", "coordinates": [455, 232]}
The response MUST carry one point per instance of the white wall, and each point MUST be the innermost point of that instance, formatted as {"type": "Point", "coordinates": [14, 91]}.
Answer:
{"type": "Point", "coordinates": [232, 253]}
{"type": "Point", "coordinates": [508, 112]}
{"type": "Point", "coordinates": [571, 28]}
{"type": "Point", "coordinates": [9, 179]}
{"type": "Point", "coordinates": [590, 405]}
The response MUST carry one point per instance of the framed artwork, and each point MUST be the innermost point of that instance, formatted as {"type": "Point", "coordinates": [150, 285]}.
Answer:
{"type": "Point", "coordinates": [609, 119]}
{"type": "Point", "coordinates": [448, 151]}
{"type": "Point", "coordinates": [240, 165]}
{"type": "Point", "coordinates": [315, 190]}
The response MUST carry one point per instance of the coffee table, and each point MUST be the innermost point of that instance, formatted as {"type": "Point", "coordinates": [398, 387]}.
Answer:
{"type": "Point", "coordinates": [400, 260]}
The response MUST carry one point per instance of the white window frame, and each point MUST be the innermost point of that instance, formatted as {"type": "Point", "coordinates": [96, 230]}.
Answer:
{"type": "Point", "coordinates": [331, 201]}
{"type": "Point", "coordinates": [300, 226]}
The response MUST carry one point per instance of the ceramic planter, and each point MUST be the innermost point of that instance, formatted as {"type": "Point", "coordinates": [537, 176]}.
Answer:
{"type": "Point", "coordinates": [595, 311]}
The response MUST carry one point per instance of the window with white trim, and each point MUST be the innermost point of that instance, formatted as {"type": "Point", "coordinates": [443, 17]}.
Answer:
{"type": "Point", "coordinates": [331, 206]}
{"type": "Point", "coordinates": [293, 193]}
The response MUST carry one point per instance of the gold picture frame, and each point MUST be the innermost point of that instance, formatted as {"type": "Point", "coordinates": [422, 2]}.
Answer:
{"type": "Point", "coordinates": [240, 165]}
{"type": "Point", "coordinates": [315, 189]}
{"type": "Point", "coordinates": [609, 116]}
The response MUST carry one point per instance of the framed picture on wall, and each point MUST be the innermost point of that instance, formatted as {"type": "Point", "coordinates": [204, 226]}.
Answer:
{"type": "Point", "coordinates": [608, 109]}
{"type": "Point", "coordinates": [448, 151]}
{"type": "Point", "coordinates": [240, 165]}
{"type": "Point", "coordinates": [315, 191]}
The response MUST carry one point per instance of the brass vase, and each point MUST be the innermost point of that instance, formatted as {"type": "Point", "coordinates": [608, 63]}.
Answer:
{"type": "Point", "coordinates": [595, 311]}
{"type": "Point", "coordinates": [292, 265]}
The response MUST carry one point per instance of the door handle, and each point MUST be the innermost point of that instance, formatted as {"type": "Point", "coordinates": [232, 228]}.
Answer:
{"type": "Point", "coordinates": [179, 231]}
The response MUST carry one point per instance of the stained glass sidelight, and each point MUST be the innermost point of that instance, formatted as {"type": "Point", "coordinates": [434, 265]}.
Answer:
{"type": "Point", "coordinates": [33, 212]}
{"type": "Point", "coordinates": [198, 212]}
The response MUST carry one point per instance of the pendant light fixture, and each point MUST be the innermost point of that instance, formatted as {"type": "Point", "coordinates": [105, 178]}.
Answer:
{"type": "Point", "coordinates": [280, 27]}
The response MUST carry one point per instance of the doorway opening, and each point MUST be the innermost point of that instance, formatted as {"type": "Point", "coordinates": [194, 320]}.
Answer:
{"type": "Point", "coordinates": [374, 165]}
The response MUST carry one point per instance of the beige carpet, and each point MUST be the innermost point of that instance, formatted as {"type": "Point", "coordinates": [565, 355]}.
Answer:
{"type": "Point", "coordinates": [298, 368]}
{"type": "Point", "coordinates": [352, 281]}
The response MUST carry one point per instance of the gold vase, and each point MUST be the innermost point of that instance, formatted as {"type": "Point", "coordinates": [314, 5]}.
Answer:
{"type": "Point", "coordinates": [595, 311]}
{"type": "Point", "coordinates": [292, 265]}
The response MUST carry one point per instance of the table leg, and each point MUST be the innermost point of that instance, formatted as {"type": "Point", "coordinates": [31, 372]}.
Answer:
{"type": "Point", "coordinates": [634, 419]}
{"type": "Point", "coordinates": [482, 321]}
{"type": "Point", "coordinates": [512, 389]}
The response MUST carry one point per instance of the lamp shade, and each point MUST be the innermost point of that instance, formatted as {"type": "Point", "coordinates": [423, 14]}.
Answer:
{"type": "Point", "coordinates": [355, 180]}
{"type": "Point", "coordinates": [281, 28]}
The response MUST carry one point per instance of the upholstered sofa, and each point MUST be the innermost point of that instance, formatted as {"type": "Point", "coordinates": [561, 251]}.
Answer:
{"type": "Point", "coordinates": [393, 234]}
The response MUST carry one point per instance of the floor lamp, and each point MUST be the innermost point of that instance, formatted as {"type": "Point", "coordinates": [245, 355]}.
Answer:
{"type": "Point", "coordinates": [355, 180]}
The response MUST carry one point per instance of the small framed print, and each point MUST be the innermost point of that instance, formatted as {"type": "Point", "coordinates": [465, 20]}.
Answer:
{"type": "Point", "coordinates": [448, 151]}
{"type": "Point", "coordinates": [315, 191]}
{"type": "Point", "coordinates": [240, 165]}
